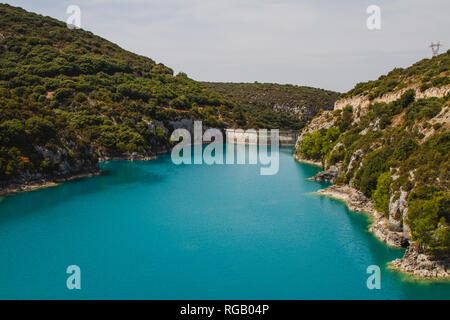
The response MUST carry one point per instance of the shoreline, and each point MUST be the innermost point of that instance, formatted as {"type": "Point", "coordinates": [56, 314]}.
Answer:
{"type": "Point", "coordinates": [357, 202]}
{"type": "Point", "coordinates": [15, 188]}
{"type": "Point", "coordinates": [408, 276]}
{"type": "Point", "coordinates": [311, 162]}
{"type": "Point", "coordinates": [414, 264]}
{"type": "Point", "coordinates": [421, 266]}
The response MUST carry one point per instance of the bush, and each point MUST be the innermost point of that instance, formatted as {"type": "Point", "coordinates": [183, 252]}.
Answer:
{"type": "Point", "coordinates": [62, 94]}
{"type": "Point", "coordinates": [39, 130]}
{"type": "Point", "coordinates": [407, 98]}
{"type": "Point", "coordinates": [424, 108]}
{"type": "Point", "coordinates": [428, 213]}
{"type": "Point", "coordinates": [316, 145]}
{"type": "Point", "coordinates": [373, 165]}
{"type": "Point", "coordinates": [381, 194]}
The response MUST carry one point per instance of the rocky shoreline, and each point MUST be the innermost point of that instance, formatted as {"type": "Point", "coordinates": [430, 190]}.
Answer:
{"type": "Point", "coordinates": [422, 265]}
{"type": "Point", "coordinates": [414, 262]}
{"type": "Point", "coordinates": [137, 157]}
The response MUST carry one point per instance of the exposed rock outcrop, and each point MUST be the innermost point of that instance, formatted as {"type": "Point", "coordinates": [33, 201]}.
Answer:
{"type": "Point", "coordinates": [362, 101]}
{"type": "Point", "coordinates": [329, 175]}
{"type": "Point", "coordinates": [354, 160]}
{"type": "Point", "coordinates": [382, 230]}
{"type": "Point", "coordinates": [398, 211]}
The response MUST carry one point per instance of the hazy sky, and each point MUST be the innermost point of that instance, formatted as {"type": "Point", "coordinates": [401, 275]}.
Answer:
{"type": "Point", "coordinates": [317, 43]}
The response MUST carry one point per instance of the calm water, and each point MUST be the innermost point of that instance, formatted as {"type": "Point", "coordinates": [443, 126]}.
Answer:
{"type": "Point", "coordinates": [158, 231]}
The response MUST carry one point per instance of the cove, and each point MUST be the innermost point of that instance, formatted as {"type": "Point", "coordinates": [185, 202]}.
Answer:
{"type": "Point", "coordinates": [155, 230]}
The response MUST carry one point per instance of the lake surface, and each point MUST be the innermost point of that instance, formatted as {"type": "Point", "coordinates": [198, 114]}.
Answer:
{"type": "Point", "coordinates": [155, 230]}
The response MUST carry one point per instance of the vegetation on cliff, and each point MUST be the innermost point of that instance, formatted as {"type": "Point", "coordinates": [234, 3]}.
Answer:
{"type": "Point", "coordinates": [425, 74]}
{"type": "Point", "coordinates": [394, 148]}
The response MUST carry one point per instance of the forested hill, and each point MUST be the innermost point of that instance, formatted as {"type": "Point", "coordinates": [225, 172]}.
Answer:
{"type": "Point", "coordinates": [69, 97]}
{"type": "Point", "coordinates": [390, 139]}
{"type": "Point", "coordinates": [280, 106]}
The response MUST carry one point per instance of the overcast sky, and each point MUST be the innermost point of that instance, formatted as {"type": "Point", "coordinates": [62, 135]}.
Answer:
{"type": "Point", "coordinates": [317, 43]}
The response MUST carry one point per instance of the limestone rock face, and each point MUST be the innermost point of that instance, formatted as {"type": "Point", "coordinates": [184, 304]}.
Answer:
{"type": "Point", "coordinates": [381, 229]}
{"type": "Point", "coordinates": [391, 227]}
{"type": "Point", "coordinates": [398, 211]}
{"type": "Point", "coordinates": [353, 161]}
{"type": "Point", "coordinates": [362, 102]}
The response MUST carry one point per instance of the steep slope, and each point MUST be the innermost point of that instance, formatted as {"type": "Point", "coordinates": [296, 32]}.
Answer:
{"type": "Point", "coordinates": [428, 77]}
{"type": "Point", "coordinates": [275, 105]}
{"type": "Point", "coordinates": [386, 147]}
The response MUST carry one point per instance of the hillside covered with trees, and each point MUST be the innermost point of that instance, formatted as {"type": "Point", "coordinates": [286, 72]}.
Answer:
{"type": "Point", "coordinates": [424, 74]}
{"type": "Point", "coordinates": [395, 150]}
{"type": "Point", "coordinates": [275, 105]}
{"type": "Point", "coordinates": [69, 98]}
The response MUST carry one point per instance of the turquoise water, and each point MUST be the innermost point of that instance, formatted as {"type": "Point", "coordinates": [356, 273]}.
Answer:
{"type": "Point", "coordinates": [154, 230]}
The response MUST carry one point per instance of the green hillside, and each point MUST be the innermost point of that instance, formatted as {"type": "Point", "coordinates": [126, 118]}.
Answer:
{"type": "Point", "coordinates": [424, 74]}
{"type": "Point", "coordinates": [395, 149]}
{"type": "Point", "coordinates": [69, 97]}
{"type": "Point", "coordinates": [275, 105]}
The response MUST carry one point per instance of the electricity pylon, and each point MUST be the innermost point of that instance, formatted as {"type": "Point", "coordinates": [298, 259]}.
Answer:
{"type": "Point", "coordinates": [435, 48]}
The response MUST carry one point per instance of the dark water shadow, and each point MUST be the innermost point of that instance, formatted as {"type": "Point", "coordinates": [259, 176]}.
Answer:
{"type": "Point", "coordinates": [114, 175]}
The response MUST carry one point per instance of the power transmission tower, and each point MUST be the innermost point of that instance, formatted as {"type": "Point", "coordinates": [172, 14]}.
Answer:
{"type": "Point", "coordinates": [435, 48]}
